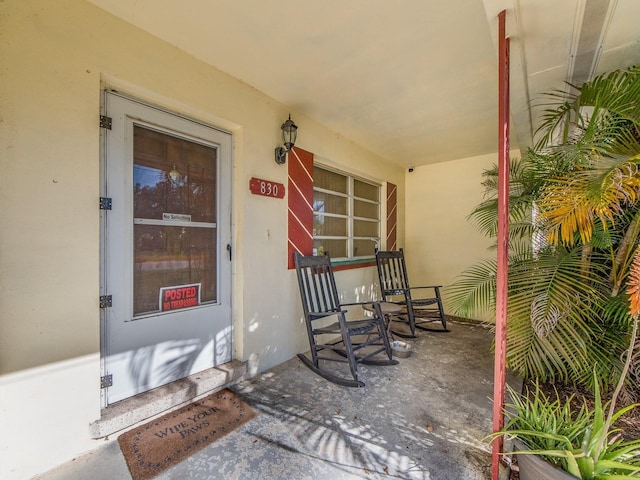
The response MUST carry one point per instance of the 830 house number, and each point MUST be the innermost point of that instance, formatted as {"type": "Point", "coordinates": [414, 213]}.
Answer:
{"type": "Point", "coordinates": [266, 188]}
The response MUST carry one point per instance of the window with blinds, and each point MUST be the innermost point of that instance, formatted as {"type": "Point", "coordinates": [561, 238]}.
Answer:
{"type": "Point", "coordinates": [346, 214]}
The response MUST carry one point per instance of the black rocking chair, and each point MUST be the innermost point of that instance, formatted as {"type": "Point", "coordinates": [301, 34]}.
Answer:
{"type": "Point", "coordinates": [394, 284]}
{"type": "Point", "coordinates": [354, 341]}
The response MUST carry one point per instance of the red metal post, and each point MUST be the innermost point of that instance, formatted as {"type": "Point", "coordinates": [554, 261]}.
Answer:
{"type": "Point", "coordinates": [499, 371]}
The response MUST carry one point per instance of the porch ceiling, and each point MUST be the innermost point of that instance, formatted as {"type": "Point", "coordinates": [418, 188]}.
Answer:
{"type": "Point", "coordinates": [414, 81]}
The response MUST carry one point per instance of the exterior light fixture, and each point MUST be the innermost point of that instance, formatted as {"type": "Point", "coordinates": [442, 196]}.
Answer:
{"type": "Point", "coordinates": [289, 135]}
{"type": "Point", "coordinates": [175, 177]}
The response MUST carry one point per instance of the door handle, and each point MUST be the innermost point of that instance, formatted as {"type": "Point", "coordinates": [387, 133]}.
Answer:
{"type": "Point", "coordinates": [229, 250]}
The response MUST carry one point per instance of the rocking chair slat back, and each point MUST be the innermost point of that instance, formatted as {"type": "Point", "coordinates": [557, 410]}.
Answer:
{"type": "Point", "coordinates": [319, 292]}
{"type": "Point", "coordinates": [392, 273]}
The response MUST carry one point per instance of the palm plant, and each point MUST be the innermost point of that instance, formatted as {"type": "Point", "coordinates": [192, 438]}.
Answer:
{"type": "Point", "coordinates": [578, 190]}
{"type": "Point", "coordinates": [583, 443]}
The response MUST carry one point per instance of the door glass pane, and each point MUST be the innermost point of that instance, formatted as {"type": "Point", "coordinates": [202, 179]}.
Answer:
{"type": "Point", "coordinates": [174, 180]}
{"type": "Point", "coordinates": [172, 256]}
{"type": "Point", "coordinates": [173, 175]}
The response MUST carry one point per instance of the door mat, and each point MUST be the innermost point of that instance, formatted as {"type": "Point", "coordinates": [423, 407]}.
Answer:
{"type": "Point", "coordinates": [157, 445]}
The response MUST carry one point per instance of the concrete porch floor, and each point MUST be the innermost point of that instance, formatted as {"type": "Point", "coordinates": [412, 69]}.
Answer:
{"type": "Point", "coordinates": [422, 419]}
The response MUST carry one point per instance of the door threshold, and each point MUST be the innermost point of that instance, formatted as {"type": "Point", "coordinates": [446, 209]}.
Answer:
{"type": "Point", "coordinates": [130, 411]}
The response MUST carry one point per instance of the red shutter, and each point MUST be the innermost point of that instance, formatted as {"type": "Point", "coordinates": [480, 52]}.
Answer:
{"type": "Point", "coordinates": [300, 203]}
{"type": "Point", "coordinates": [392, 217]}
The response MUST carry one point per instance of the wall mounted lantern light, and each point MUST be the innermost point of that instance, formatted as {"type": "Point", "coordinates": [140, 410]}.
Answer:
{"type": "Point", "coordinates": [289, 134]}
{"type": "Point", "coordinates": [175, 177]}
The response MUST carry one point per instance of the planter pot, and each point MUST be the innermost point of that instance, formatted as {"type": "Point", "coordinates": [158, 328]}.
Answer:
{"type": "Point", "coordinates": [532, 467]}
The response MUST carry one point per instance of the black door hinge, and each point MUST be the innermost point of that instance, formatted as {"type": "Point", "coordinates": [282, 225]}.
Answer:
{"type": "Point", "coordinates": [106, 381]}
{"type": "Point", "coordinates": [106, 301]}
{"type": "Point", "coordinates": [105, 122]}
{"type": "Point", "coordinates": [105, 203]}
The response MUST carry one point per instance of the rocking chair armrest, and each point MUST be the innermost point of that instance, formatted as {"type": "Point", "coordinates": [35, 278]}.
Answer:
{"type": "Point", "coordinates": [358, 303]}
{"type": "Point", "coordinates": [315, 316]}
{"type": "Point", "coordinates": [377, 308]}
{"type": "Point", "coordinates": [362, 304]}
{"type": "Point", "coordinates": [425, 286]}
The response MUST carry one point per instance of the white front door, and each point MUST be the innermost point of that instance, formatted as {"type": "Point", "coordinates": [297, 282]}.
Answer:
{"type": "Point", "coordinates": [166, 266]}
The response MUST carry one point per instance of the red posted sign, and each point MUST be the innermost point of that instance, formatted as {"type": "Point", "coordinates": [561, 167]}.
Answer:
{"type": "Point", "coordinates": [182, 296]}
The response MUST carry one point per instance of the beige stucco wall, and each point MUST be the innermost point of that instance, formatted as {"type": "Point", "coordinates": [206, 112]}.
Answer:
{"type": "Point", "coordinates": [56, 58]}
{"type": "Point", "coordinates": [440, 240]}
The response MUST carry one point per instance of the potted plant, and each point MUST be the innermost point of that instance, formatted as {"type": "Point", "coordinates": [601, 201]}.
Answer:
{"type": "Point", "coordinates": [555, 442]}
{"type": "Point", "coordinates": [552, 441]}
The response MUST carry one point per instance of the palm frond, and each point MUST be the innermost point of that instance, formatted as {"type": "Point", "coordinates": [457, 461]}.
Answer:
{"type": "Point", "coordinates": [485, 215]}
{"type": "Point", "coordinates": [572, 204]}
{"type": "Point", "coordinates": [617, 91]}
{"type": "Point", "coordinates": [633, 285]}
{"type": "Point", "coordinates": [472, 295]}
{"type": "Point", "coordinates": [613, 95]}
{"type": "Point", "coordinates": [551, 300]}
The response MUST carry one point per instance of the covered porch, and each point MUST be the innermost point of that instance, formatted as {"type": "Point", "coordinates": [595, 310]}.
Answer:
{"type": "Point", "coordinates": [393, 96]}
{"type": "Point", "coordinates": [425, 418]}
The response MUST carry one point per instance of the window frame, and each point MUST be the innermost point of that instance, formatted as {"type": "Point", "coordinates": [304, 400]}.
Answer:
{"type": "Point", "coordinates": [350, 216]}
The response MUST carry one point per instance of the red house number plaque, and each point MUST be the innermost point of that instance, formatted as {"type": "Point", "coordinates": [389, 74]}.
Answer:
{"type": "Point", "coordinates": [266, 188]}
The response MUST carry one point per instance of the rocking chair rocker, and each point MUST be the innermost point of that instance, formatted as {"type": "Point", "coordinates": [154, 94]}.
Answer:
{"type": "Point", "coordinates": [394, 284]}
{"type": "Point", "coordinates": [354, 341]}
